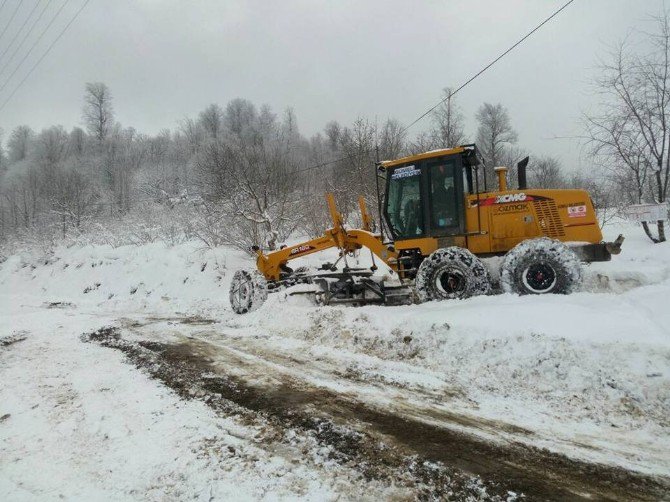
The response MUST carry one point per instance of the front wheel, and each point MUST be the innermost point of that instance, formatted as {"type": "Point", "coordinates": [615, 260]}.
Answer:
{"type": "Point", "coordinates": [451, 273]}
{"type": "Point", "coordinates": [541, 266]}
{"type": "Point", "coordinates": [248, 291]}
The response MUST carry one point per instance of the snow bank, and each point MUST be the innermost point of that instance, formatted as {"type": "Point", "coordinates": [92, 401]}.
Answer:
{"type": "Point", "coordinates": [184, 277]}
{"type": "Point", "coordinates": [593, 365]}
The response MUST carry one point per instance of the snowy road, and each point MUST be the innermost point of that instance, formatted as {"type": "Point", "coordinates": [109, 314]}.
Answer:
{"type": "Point", "coordinates": [178, 398]}
{"type": "Point", "coordinates": [414, 425]}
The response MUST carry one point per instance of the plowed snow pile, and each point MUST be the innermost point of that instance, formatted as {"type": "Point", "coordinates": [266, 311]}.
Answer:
{"type": "Point", "coordinates": [588, 373]}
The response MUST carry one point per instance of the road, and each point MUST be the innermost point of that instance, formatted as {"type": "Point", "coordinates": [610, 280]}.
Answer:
{"type": "Point", "coordinates": [403, 435]}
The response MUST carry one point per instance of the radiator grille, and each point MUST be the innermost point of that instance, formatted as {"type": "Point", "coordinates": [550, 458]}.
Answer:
{"type": "Point", "coordinates": [548, 218]}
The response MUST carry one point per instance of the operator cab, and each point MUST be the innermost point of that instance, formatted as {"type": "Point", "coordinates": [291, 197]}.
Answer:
{"type": "Point", "coordinates": [425, 194]}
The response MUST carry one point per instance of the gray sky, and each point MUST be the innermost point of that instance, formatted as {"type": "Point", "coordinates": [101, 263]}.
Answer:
{"type": "Point", "coordinates": [168, 59]}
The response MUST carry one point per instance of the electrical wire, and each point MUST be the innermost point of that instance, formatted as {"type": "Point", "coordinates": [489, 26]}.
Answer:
{"type": "Point", "coordinates": [20, 29]}
{"type": "Point", "coordinates": [60, 35]}
{"type": "Point", "coordinates": [18, 6]}
{"type": "Point", "coordinates": [322, 164]}
{"type": "Point", "coordinates": [25, 37]}
{"type": "Point", "coordinates": [2, 6]}
{"type": "Point", "coordinates": [46, 28]}
{"type": "Point", "coordinates": [519, 42]}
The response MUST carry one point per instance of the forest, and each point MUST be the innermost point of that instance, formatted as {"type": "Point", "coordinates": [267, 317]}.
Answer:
{"type": "Point", "coordinates": [242, 174]}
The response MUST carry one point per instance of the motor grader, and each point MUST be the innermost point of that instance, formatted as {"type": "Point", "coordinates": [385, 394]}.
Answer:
{"type": "Point", "coordinates": [441, 220]}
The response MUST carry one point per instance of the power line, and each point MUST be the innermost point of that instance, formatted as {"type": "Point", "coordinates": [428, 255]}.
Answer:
{"type": "Point", "coordinates": [34, 45]}
{"type": "Point", "coordinates": [45, 53]}
{"type": "Point", "coordinates": [25, 37]}
{"type": "Point", "coordinates": [20, 29]}
{"type": "Point", "coordinates": [519, 42]}
{"type": "Point", "coordinates": [18, 6]}
{"type": "Point", "coordinates": [2, 6]}
{"type": "Point", "coordinates": [324, 164]}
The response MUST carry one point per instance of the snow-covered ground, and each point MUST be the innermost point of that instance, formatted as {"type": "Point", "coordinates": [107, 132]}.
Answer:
{"type": "Point", "coordinates": [585, 375]}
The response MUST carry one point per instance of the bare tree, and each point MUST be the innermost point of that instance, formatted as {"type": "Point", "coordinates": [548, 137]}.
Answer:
{"type": "Point", "coordinates": [545, 172]}
{"type": "Point", "coordinates": [252, 195]}
{"type": "Point", "coordinates": [333, 131]}
{"type": "Point", "coordinates": [494, 135]}
{"type": "Point", "coordinates": [631, 133]}
{"type": "Point", "coordinates": [391, 139]}
{"type": "Point", "coordinates": [51, 147]}
{"type": "Point", "coordinates": [447, 129]}
{"type": "Point", "coordinates": [77, 144]}
{"type": "Point", "coordinates": [422, 142]}
{"type": "Point", "coordinates": [193, 133]}
{"type": "Point", "coordinates": [98, 113]}
{"type": "Point", "coordinates": [355, 174]}
{"type": "Point", "coordinates": [74, 197]}
{"type": "Point", "coordinates": [240, 116]}
{"type": "Point", "coordinates": [18, 143]}
{"type": "Point", "coordinates": [210, 121]}
{"type": "Point", "coordinates": [448, 125]}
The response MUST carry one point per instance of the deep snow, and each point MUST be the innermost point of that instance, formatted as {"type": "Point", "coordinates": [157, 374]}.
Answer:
{"type": "Point", "coordinates": [588, 373]}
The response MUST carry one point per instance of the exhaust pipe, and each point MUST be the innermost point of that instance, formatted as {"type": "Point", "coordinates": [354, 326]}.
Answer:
{"type": "Point", "coordinates": [521, 170]}
{"type": "Point", "coordinates": [501, 171]}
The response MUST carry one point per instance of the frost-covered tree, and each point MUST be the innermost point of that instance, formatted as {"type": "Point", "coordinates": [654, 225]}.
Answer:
{"type": "Point", "coordinates": [251, 193]}
{"type": "Point", "coordinates": [210, 121]}
{"type": "Point", "coordinates": [19, 143]}
{"type": "Point", "coordinates": [98, 113]}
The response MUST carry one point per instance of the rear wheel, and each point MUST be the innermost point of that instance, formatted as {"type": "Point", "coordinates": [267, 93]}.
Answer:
{"type": "Point", "coordinates": [541, 266]}
{"type": "Point", "coordinates": [248, 291]}
{"type": "Point", "coordinates": [450, 273]}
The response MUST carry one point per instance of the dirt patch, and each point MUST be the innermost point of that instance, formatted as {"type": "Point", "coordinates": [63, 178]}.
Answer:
{"type": "Point", "coordinates": [106, 334]}
{"type": "Point", "coordinates": [6, 341]}
{"type": "Point", "coordinates": [432, 461]}
{"type": "Point", "coordinates": [197, 321]}
{"type": "Point", "coordinates": [190, 320]}
{"type": "Point", "coordinates": [59, 305]}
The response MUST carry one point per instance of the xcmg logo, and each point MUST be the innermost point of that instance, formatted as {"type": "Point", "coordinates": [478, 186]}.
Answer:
{"type": "Point", "coordinates": [510, 197]}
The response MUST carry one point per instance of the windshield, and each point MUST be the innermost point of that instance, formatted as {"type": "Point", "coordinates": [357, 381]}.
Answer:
{"type": "Point", "coordinates": [404, 208]}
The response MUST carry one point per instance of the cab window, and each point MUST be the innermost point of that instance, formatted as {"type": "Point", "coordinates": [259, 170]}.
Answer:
{"type": "Point", "coordinates": [405, 211]}
{"type": "Point", "coordinates": [443, 199]}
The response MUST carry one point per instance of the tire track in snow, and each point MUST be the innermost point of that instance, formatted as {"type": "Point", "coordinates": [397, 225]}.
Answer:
{"type": "Point", "coordinates": [233, 375]}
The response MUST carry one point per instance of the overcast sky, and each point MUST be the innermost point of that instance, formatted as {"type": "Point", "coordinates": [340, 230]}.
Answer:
{"type": "Point", "coordinates": [165, 60]}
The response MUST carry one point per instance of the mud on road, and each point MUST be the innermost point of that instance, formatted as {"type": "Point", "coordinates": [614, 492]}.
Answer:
{"type": "Point", "coordinates": [429, 461]}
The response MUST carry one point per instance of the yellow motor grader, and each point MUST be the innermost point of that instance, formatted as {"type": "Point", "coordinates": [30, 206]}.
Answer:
{"type": "Point", "coordinates": [441, 220]}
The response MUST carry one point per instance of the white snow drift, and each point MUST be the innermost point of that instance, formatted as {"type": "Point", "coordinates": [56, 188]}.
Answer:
{"type": "Point", "coordinates": [589, 373]}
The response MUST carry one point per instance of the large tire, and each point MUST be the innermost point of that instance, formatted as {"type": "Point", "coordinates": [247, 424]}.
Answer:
{"type": "Point", "coordinates": [248, 291]}
{"type": "Point", "coordinates": [451, 273]}
{"type": "Point", "coordinates": [541, 266]}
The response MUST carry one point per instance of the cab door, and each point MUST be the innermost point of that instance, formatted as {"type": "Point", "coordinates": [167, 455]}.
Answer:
{"type": "Point", "coordinates": [445, 201]}
{"type": "Point", "coordinates": [405, 202]}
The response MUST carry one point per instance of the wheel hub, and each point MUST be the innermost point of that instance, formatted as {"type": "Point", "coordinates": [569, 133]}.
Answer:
{"type": "Point", "coordinates": [450, 282]}
{"type": "Point", "coordinates": [539, 277]}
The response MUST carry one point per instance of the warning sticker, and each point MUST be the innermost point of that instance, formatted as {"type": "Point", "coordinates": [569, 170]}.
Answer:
{"type": "Point", "coordinates": [577, 211]}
